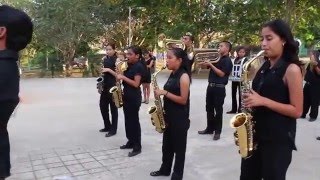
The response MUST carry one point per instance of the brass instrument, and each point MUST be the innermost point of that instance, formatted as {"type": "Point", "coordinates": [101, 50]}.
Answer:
{"type": "Point", "coordinates": [116, 90]}
{"type": "Point", "coordinates": [156, 111]}
{"type": "Point", "coordinates": [163, 42]}
{"type": "Point", "coordinates": [100, 79]}
{"type": "Point", "coordinates": [202, 55]}
{"type": "Point", "coordinates": [242, 122]}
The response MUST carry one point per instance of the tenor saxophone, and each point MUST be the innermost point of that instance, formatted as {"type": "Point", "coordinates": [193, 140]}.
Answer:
{"type": "Point", "coordinates": [116, 90]}
{"type": "Point", "coordinates": [242, 122]}
{"type": "Point", "coordinates": [157, 111]}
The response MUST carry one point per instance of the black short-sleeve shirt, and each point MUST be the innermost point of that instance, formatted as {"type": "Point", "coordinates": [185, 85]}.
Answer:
{"type": "Point", "coordinates": [109, 62]}
{"type": "Point", "coordinates": [225, 65]}
{"type": "Point", "coordinates": [9, 76]}
{"type": "Point", "coordinates": [130, 92]}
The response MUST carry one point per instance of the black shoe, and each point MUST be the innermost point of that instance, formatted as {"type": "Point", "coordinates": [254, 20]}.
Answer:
{"type": "Point", "coordinates": [4, 177]}
{"type": "Point", "coordinates": [206, 131]}
{"type": "Point", "coordinates": [312, 119]}
{"type": "Point", "coordinates": [134, 153]}
{"type": "Point", "coordinates": [318, 138]}
{"type": "Point", "coordinates": [175, 176]}
{"type": "Point", "coordinates": [126, 146]}
{"type": "Point", "coordinates": [159, 173]}
{"type": "Point", "coordinates": [109, 134]}
{"type": "Point", "coordinates": [104, 130]}
{"type": "Point", "coordinates": [216, 137]}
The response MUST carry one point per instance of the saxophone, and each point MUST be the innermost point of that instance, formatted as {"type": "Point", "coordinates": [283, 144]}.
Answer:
{"type": "Point", "coordinates": [116, 90]}
{"type": "Point", "coordinates": [242, 122]}
{"type": "Point", "coordinates": [100, 79]}
{"type": "Point", "coordinates": [157, 111]}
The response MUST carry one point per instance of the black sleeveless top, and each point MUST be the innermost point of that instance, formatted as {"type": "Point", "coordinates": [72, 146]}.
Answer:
{"type": "Point", "coordinates": [171, 108]}
{"type": "Point", "coordinates": [270, 125]}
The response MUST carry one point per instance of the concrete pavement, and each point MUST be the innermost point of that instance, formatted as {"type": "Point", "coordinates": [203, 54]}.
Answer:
{"type": "Point", "coordinates": [54, 135]}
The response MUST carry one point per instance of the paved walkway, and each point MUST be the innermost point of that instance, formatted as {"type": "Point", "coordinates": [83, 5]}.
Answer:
{"type": "Point", "coordinates": [54, 135]}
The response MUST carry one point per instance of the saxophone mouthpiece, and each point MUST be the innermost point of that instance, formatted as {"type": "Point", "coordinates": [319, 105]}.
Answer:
{"type": "Point", "coordinates": [260, 53]}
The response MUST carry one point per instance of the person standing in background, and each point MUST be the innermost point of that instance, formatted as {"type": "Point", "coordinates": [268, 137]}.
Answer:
{"type": "Point", "coordinates": [216, 91]}
{"type": "Point", "coordinates": [109, 63]}
{"type": "Point", "coordinates": [149, 62]}
{"type": "Point", "coordinates": [235, 77]}
{"type": "Point", "coordinates": [311, 90]}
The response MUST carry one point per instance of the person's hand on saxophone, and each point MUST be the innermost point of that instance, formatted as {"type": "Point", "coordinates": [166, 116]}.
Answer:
{"type": "Point", "coordinates": [160, 92]}
{"type": "Point", "coordinates": [108, 70]}
{"type": "Point", "coordinates": [253, 99]}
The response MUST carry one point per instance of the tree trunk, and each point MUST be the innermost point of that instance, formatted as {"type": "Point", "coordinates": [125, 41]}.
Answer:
{"type": "Point", "coordinates": [290, 9]}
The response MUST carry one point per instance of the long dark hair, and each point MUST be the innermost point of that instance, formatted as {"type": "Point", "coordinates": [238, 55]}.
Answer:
{"type": "Point", "coordinates": [185, 64]}
{"type": "Point", "coordinates": [136, 50]}
{"type": "Point", "coordinates": [113, 46]}
{"type": "Point", "coordinates": [19, 27]}
{"type": "Point", "coordinates": [240, 48]}
{"type": "Point", "coordinates": [290, 48]}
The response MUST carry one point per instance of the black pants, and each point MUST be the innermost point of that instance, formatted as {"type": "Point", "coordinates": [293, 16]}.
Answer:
{"type": "Point", "coordinates": [214, 107]}
{"type": "Point", "coordinates": [234, 86]}
{"type": "Point", "coordinates": [132, 124]}
{"type": "Point", "coordinates": [105, 101]}
{"type": "Point", "coordinates": [311, 93]}
{"type": "Point", "coordinates": [6, 109]}
{"type": "Point", "coordinates": [270, 162]}
{"type": "Point", "coordinates": [175, 142]}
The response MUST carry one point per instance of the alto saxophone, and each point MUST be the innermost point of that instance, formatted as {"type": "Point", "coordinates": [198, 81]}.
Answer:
{"type": "Point", "coordinates": [242, 122]}
{"type": "Point", "coordinates": [157, 111]}
{"type": "Point", "coordinates": [116, 90]}
{"type": "Point", "coordinates": [100, 79]}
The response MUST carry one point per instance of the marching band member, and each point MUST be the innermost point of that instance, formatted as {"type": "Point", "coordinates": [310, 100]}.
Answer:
{"type": "Point", "coordinates": [216, 92]}
{"type": "Point", "coordinates": [176, 106]}
{"type": "Point", "coordinates": [109, 63]}
{"type": "Point", "coordinates": [311, 90]}
{"type": "Point", "coordinates": [149, 62]}
{"type": "Point", "coordinates": [16, 31]}
{"type": "Point", "coordinates": [131, 80]}
{"type": "Point", "coordinates": [235, 78]}
{"type": "Point", "coordinates": [277, 101]}
{"type": "Point", "coordinates": [187, 40]}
